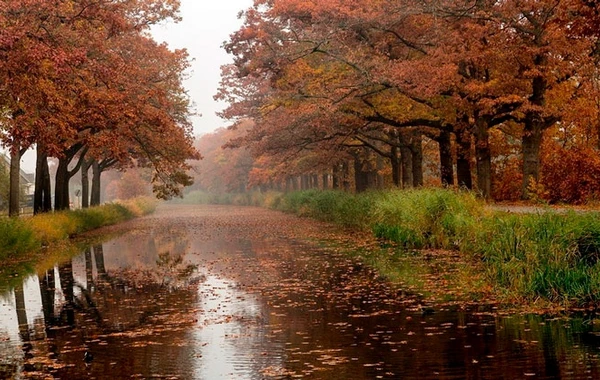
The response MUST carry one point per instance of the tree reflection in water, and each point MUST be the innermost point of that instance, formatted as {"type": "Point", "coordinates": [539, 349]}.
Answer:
{"type": "Point", "coordinates": [145, 310]}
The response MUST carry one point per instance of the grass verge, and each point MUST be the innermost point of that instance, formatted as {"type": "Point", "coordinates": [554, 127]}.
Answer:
{"type": "Point", "coordinates": [23, 235]}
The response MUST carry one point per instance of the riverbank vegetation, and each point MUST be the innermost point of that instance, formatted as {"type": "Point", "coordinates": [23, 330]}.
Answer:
{"type": "Point", "coordinates": [20, 236]}
{"type": "Point", "coordinates": [546, 255]}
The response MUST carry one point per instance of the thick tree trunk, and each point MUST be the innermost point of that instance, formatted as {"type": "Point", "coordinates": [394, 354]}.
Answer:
{"type": "Point", "coordinates": [61, 185]}
{"type": "Point", "coordinates": [325, 181]}
{"type": "Point", "coordinates": [85, 183]}
{"type": "Point", "coordinates": [533, 131]}
{"type": "Point", "coordinates": [463, 159]}
{"type": "Point", "coordinates": [15, 183]}
{"type": "Point", "coordinates": [335, 181]}
{"type": "Point", "coordinates": [407, 167]}
{"type": "Point", "coordinates": [484, 158]}
{"type": "Point", "coordinates": [396, 165]}
{"type": "Point", "coordinates": [96, 176]}
{"type": "Point", "coordinates": [446, 161]}
{"type": "Point", "coordinates": [361, 180]}
{"type": "Point", "coordinates": [416, 148]}
{"type": "Point", "coordinates": [345, 176]}
{"type": "Point", "coordinates": [42, 196]}
{"type": "Point", "coordinates": [63, 175]}
{"type": "Point", "coordinates": [305, 182]}
{"type": "Point", "coordinates": [315, 181]}
{"type": "Point", "coordinates": [531, 145]}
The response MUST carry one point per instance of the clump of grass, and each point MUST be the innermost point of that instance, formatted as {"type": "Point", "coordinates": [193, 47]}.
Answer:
{"type": "Point", "coordinates": [427, 218]}
{"type": "Point", "coordinates": [17, 237]}
{"type": "Point", "coordinates": [348, 210]}
{"type": "Point", "coordinates": [549, 255]}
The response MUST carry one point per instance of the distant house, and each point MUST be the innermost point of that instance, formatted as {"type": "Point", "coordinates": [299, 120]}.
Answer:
{"type": "Point", "coordinates": [26, 180]}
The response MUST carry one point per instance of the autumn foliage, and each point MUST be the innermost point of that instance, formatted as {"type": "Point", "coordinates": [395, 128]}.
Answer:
{"type": "Point", "coordinates": [358, 92]}
{"type": "Point", "coordinates": [83, 82]}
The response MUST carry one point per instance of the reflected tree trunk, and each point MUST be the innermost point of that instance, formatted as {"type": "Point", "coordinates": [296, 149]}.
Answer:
{"type": "Point", "coordinates": [99, 259]}
{"type": "Point", "coordinates": [89, 268]}
{"type": "Point", "coordinates": [47, 290]}
{"type": "Point", "coordinates": [67, 284]}
{"type": "Point", "coordinates": [21, 313]}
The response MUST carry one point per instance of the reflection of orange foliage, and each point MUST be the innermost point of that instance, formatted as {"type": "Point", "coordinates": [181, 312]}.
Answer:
{"type": "Point", "coordinates": [571, 175]}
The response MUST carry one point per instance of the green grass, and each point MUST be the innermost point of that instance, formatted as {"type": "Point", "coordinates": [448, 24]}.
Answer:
{"type": "Point", "coordinates": [19, 236]}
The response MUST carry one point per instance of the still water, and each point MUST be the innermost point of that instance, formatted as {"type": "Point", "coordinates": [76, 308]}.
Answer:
{"type": "Point", "coordinates": [222, 296]}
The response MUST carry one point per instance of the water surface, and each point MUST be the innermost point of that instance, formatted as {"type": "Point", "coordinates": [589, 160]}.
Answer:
{"type": "Point", "coordinates": [226, 293]}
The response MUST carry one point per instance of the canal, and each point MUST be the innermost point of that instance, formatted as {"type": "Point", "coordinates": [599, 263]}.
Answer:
{"type": "Point", "coordinates": [215, 292]}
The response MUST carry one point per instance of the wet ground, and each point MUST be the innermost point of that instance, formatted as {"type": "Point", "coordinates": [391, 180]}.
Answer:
{"type": "Point", "coordinates": [210, 292]}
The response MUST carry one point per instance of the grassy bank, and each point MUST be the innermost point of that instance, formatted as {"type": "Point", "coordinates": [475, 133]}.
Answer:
{"type": "Point", "coordinates": [547, 256]}
{"type": "Point", "coordinates": [22, 235]}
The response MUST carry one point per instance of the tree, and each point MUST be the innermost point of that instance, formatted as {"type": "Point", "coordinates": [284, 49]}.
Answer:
{"type": "Point", "coordinates": [317, 75]}
{"type": "Point", "coordinates": [68, 72]}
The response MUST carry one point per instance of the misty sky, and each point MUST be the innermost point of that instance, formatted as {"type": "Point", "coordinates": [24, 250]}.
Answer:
{"type": "Point", "coordinates": [204, 28]}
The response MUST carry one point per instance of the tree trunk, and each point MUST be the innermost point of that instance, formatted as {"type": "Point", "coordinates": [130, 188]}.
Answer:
{"type": "Point", "coordinates": [61, 185]}
{"type": "Point", "coordinates": [345, 176]}
{"type": "Point", "coordinates": [15, 183]}
{"type": "Point", "coordinates": [325, 180]}
{"type": "Point", "coordinates": [85, 183]}
{"type": "Point", "coordinates": [416, 148]}
{"type": "Point", "coordinates": [463, 159]}
{"type": "Point", "coordinates": [96, 175]}
{"type": "Point", "coordinates": [336, 180]}
{"type": "Point", "coordinates": [446, 162]}
{"type": "Point", "coordinates": [396, 167]}
{"type": "Point", "coordinates": [304, 182]}
{"type": "Point", "coordinates": [531, 145]}
{"type": "Point", "coordinates": [407, 167]}
{"type": "Point", "coordinates": [361, 180]}
{"type": "Point", "coordinates": [484, 158]}
{"type": "Point", "coordinates": [42, 196]}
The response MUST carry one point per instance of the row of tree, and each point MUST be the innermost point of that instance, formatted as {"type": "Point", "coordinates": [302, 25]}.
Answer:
{"type": "Point", "coordinates": [496, 86]}
{"type": "Point", "coordinates": [82, 81]}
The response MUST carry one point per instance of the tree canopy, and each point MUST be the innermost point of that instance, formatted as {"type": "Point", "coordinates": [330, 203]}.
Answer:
{"type": "Point", "coordinates": [83, 80]}
{"type": "Point", "coordinates": [488, 82]}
